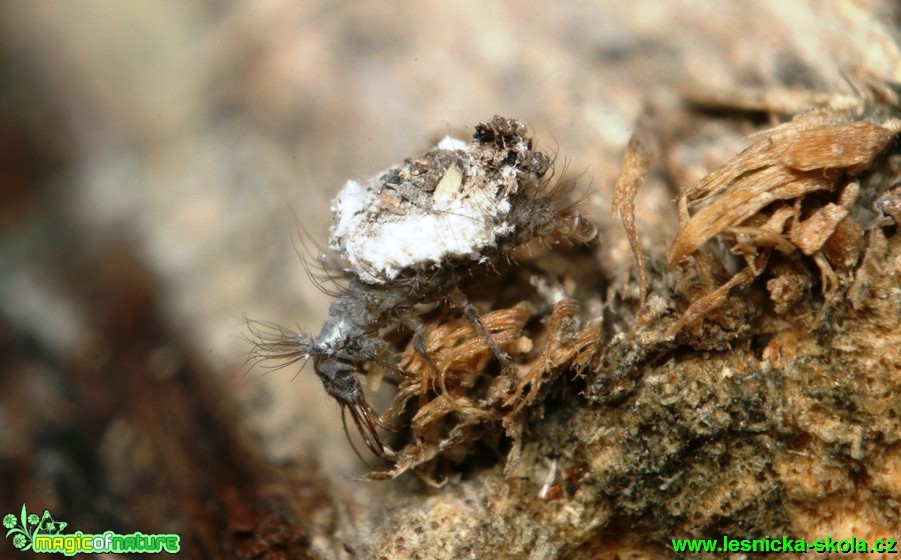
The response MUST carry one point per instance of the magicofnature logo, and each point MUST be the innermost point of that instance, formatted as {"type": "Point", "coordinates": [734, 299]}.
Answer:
{"type": "Point", "coordinates": [45, 534]}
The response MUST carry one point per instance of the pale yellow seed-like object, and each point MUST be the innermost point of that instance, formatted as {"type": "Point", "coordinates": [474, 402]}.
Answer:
{"type": "Point", "coordinates": [448, 188]}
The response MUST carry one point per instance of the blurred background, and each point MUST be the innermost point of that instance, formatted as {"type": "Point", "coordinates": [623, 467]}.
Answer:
{"type": "Point", "coordinates": [159, 161]}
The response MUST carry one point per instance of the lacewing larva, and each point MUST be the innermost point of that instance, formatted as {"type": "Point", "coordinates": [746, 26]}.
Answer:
{"type": "Point", "coordinates": [406, 237]}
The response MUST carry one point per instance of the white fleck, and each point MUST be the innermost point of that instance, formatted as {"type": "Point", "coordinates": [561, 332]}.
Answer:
{"type": "Point", "coordinates": [503, 229]}
{"type": "Point", "coordinates": [334, 334]}
{"type": "Point", "coordinates": [509, 174]}
{"type": "Point", "coordinates": [549, 480]}
{"type": "Point", "coordinates": [551, 294]}
{"type": "Point", "coordinates": [350, 202]}
{"type": "Point", "coordinates": [669, 482]}
{"type": "Point", "coordinates": [450, 143]}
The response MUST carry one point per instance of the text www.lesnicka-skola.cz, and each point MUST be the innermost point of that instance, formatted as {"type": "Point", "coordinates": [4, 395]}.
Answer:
{"type": "Point", "coordinates": [786, 544]}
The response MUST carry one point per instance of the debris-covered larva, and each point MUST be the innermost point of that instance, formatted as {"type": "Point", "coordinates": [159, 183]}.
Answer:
{"type": "Point", "coordinates": [406, 237]}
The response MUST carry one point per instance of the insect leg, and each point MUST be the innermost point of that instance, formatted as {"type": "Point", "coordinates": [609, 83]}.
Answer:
{"type": "Point", "coordinates": [472, 315]}
{"type": "Point", "coordinates": [416, 325]}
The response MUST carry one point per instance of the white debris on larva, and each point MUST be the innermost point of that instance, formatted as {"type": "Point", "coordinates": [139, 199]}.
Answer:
{"type": "Point", "coordinates": [451, 143]}
{"type": "Point", "coordinates": [380, 236]}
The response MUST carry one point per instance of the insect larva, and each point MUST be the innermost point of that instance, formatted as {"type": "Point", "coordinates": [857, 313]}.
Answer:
{"type": "Point", "coordinates": [406, 237]}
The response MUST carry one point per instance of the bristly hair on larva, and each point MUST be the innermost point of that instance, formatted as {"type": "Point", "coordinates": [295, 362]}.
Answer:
{"type": "Point", "coordinates": [406, 238]}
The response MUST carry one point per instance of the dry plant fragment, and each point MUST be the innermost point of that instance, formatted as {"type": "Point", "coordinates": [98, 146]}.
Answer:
{"type": "Point", "coordinates": [794, 190]}
{"type": "Point", "coordinates": [794, 159]}
{"type": "Point", "coordinates": [786, 289]}
{"type": "Point", "coordinates": [468, 398]}
{"type": "Point", "coordinates": [746, 198]}
{"type": "Point", "coordinates": [836, 145]}
{"type": "Point", "coordinates": [777, 101]}
{"type": "Point", "coordinates": [635, 168]}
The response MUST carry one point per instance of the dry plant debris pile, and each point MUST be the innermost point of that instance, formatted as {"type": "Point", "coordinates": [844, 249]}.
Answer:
{"type": "Point", "coordinates": [792, 195]}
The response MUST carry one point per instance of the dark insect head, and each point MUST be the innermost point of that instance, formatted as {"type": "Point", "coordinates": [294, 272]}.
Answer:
{"type": "Point", "coordinates": [275, 347]}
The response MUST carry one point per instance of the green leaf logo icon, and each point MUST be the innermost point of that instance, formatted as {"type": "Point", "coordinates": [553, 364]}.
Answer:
{"type": "Point", "coordinates": [24, 527]}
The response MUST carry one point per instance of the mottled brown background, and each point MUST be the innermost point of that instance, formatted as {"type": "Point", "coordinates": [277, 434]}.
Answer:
{"type": "Point", "coordinates": [199, 138]}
